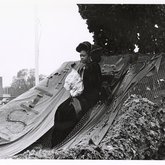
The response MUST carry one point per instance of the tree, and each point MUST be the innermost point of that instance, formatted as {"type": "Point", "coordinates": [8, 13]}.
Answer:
{"type": "Point", "coordinates": [23, 81]}
{"type": "Point", "coordinates": [117, 28]}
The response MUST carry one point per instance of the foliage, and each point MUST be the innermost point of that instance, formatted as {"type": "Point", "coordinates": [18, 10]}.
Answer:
{"type": "Point", "coordinates": [117, 28]}
{"type": "Point", "coordinates": [23, 81]}
{"type": "Point", "coordinates": [136, 134]}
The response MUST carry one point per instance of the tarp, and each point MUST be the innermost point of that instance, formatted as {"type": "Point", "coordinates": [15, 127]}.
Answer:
{"type": "Point", "coordinates": [102, 116]}
{"type": "Point", "coordinates": [20, 125]}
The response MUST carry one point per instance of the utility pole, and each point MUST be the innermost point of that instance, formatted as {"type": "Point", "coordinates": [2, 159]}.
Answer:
{"type": "Point", "coordinates": [36, 44]}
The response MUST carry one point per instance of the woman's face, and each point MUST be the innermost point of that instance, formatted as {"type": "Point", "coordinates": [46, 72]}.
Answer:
{"type": "Point", "coordinates": [84, 57]}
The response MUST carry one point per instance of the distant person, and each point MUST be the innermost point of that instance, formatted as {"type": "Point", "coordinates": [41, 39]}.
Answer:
{"type": "Point", "coordinates": [70, 112]}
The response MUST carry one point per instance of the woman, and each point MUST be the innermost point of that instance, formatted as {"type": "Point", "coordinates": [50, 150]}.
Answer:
{"type": "Point", "coordinates": [67, 115]}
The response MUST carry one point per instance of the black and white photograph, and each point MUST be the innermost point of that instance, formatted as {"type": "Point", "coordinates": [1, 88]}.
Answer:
{"type": "Point", "coordinates": [82, 81]}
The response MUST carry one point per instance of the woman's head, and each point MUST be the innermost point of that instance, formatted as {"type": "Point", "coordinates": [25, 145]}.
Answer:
{"type": "Point", "coordinates": [89, 52]}
{"type": "Point", "coordinates": [84, 49]}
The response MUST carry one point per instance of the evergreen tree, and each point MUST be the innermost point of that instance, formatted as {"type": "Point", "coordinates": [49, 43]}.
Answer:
{"type": "Point", "coordinates": [118, 27]}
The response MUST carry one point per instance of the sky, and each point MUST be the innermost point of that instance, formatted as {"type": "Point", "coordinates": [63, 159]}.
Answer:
{"type": "Point", "coordinates": [60, 30]}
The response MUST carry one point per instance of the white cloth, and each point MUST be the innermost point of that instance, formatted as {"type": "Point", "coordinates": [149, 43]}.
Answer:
{"type": "Point", "coordinates": [74, 83]}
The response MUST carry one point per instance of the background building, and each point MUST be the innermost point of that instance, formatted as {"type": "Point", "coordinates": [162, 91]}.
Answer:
{"type": "Point", "coordinates": [1, 87]}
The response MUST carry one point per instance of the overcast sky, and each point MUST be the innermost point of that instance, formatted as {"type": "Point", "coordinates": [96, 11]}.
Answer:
{"type": "Point", "coordinates": [61, 29]}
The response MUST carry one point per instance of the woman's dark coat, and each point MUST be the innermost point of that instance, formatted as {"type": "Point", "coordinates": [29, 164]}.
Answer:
{"type": "Point", "coordinates": [66, 115]}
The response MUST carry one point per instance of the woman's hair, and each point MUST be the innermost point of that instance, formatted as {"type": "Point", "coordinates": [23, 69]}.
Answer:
{"type": "Point", "coordinates": [84, 46]}
{"type": "Point", "coordinates": [93, 50]}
